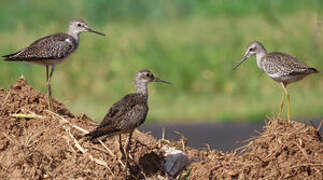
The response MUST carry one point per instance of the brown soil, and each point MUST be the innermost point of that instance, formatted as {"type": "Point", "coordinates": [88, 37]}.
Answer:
{"type": "Point", "coordinates": [49, 145]}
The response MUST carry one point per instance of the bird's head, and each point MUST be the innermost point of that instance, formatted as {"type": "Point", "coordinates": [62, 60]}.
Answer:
{"type": "Point", "coordinates": [78, 25]}
{"type": "Point", "coordinates": [145, 76]}
{"type": "Point", "coordinates": [254, 48]}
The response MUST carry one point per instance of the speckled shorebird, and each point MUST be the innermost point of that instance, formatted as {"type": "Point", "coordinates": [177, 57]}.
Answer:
{"type": "Point", "coordinates": [53, 49]}
{"type": "Point", "coordinates": [281, 67]}
{"type": "Point", "coordinates": [128, 113]}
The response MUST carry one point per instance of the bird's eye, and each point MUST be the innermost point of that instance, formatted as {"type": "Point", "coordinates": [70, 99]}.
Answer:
{"type": "Point", "coordinates": [252, 49]}
{"type": "Point", "coordinates": [148, 74]}
{"type": "Point", "coordinates": [79, 25]}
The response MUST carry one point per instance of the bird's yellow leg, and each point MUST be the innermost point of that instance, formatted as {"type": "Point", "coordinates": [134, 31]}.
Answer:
{"type": "Point", "coordinates": [121, 147]}
{"type": "Point", "coordinates": [127, 154]}
{"type": "Point", "coordinates": [288, 101]}
{"type": "Point", "coordinates": [49, 91]}
{"type": "Point", "coordinates": [281, 105]}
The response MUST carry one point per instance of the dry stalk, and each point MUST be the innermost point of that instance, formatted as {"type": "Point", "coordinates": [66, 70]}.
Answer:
{"type": "Point", "coordinates": [249, 139]}
{"type": "Point", "coordinates": [302, 150]}
{"type": "Point", "coordinates": [183, 140]}
{"type": "Point", "coordinates": [163, 133]}
{"type": "Point", "coordinates": [162, 140]}
{"type": "Point", "coordinates": [208, 148]}
{"type": "Point", "coordinates": [319, 126]}
{"type": "Point", "coordinates": [81, 149]}
{"type": "Point", "coordinates": [111, 153]}
{"type": "Point", "coordinates": [243, 148]}
{"type": "Point", "coordinates": [105, 147]}
{"type": "Point", "coordinates": [5, 99]}
{"type": "Point", "coordinates": [129, 155]}
{"type": "Point", "coordinates": [28, 116]}
{"type": "Point", "coordinates": [77, 144]}
{"type": "Point", "coordinates": [69, 144]}
{"type": "Point", "coordinates": [65, 121]}
{"type": "Point", "coordinates": [102, 163]}
{"type": "Point", "coordinates": [29, 138]}
{"type": "Point", "coordinates": [7, 136]}
{"type": "Point", "coordinates": [309, 164]}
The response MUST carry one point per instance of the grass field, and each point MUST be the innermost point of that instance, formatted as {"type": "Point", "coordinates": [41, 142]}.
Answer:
{"type": "Point", "coordinates": [192, 44]}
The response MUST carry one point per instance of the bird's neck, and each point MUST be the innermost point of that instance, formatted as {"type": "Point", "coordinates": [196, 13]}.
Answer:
{"type": "Point", "coordinates": [142, 88]}
{"type": "Point", "coordinates": [259, 57]}
{"type": "Point", "coordinates": [75, 35]}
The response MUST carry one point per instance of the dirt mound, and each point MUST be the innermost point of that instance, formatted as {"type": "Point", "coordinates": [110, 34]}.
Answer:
{"type": "Point", "coordinates": [36, 143]}
{"type": "Point", "coordinates": [283, 151]}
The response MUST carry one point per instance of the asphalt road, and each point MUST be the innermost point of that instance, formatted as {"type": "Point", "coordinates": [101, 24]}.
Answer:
{"type": "Point", "coordinates": [221, 136]}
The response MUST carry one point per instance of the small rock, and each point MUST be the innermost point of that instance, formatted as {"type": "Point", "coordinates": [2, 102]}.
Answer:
{"type": "Point", "coordinates": [176, 161]}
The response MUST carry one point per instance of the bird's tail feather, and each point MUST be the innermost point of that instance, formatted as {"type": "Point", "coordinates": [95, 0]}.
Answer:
{"type": "Point", "coordinates": [99, 133]}
{"type": "Point", "coordinates": [11, 57]}
{"type": "Point", "coordinates": [313, 70]}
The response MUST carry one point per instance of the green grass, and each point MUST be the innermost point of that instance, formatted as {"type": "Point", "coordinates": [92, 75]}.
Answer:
{"type": "Point", "coordinates": [194, 45]}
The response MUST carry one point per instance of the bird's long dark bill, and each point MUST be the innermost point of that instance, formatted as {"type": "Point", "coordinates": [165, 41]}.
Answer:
{"type": "Point", "coordinates": [240, 62]}
{"type": "Point", "coordinates": [96, 32]}
{"type": "Point", "coordinates": [159, 80]}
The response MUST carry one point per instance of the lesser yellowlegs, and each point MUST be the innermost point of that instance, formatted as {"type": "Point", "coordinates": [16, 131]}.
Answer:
{"type": "Point", "coordinates": [53, 49]}
{"type": "Point", "coordinates": [281, 67]}
{"type": "Point", "coordinates": [128, 113]}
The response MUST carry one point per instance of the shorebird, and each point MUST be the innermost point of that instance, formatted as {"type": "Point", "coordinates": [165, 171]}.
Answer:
{"type": "Point", "coordinates": [281, 67]}
{"type": "Point", "coordinates": [127, 114]}
{"type": "Point", "coordinates": [53, 49]}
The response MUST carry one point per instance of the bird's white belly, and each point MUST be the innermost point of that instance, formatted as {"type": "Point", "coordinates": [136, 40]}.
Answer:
{"type": "Point", "coordinates": [286, 78]}
{"type": "Point", "coordinates": [275, 75]}
{"type": "Point", "coordinates": [48, 62]}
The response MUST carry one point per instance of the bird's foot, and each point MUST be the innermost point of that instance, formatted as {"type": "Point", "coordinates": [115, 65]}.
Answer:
{"type": "Point", "coordinates": [163, 141]}
{"type": "Point", "coordinates": [50, 104]}
{"type": "Point", "coordinates": [127, 173]}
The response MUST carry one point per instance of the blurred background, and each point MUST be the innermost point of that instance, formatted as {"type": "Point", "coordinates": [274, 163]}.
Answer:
{"type": "Point", "coordinates": [193, 44]}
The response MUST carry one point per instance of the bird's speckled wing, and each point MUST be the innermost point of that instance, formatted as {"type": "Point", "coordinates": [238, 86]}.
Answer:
{"type": "Point", "coordinates": [125, 115]}
{"type": "Point", "coordinates": [55, 46]}
{"type": "Point", "coordinates": [281, 64]}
